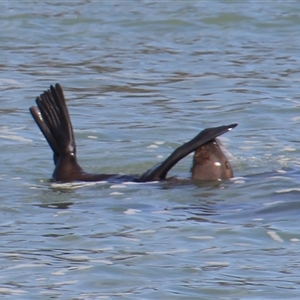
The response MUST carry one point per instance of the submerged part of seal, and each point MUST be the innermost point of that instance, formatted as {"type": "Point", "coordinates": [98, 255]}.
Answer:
{"type": "Point", "coordinates": [53, 119]}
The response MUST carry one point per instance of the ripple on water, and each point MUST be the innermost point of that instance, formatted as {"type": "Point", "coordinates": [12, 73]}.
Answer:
{"type": "Point", "coordinates": [180, 68]}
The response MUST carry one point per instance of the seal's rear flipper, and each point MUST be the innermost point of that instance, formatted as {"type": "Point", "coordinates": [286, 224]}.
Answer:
{"type": "Point", "coordinates": [53, 119]}
{"type": "Point", "coordinates": [36, 114]}
{"type": "Point", "coordinates": [160, 171]}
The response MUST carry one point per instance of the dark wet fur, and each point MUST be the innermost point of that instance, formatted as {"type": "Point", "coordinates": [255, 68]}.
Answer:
{"type": "Point", "coordinates": [210, 163]}
{"type": "Point", "coordinates": [52, 117]}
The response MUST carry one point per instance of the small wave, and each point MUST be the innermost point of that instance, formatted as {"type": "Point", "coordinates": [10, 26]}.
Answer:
{"type": "Point", "coordinates": [287, 190]}
{"type": "Point", "coordinates": [10, 134]}
{"type": "Point", "coordinates": [74, 185]}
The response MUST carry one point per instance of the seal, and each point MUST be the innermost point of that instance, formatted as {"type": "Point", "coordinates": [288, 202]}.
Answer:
{"type": "Point", "coordinates": [52, 117]}
{"type": "Point", "coordinates": [210, 163]}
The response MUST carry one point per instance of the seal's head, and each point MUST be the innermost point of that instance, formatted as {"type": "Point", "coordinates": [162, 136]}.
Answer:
{"type": "Point", "coordinates": [210, 163]}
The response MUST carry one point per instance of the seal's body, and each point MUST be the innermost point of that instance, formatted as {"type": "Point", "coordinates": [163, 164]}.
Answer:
{"type": "Point", "coordinates": [52, 117]}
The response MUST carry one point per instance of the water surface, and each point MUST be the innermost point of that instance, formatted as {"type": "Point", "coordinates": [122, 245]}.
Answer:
{"type": "Point", "coordinates": [141, 78]}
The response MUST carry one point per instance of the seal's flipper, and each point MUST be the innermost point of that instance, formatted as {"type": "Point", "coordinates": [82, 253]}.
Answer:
{"type": "Point", "coordinates": [36, 114]}
{"type": "Point", "coordinates": [160, 171]}
{"type": "Point", "coordinates": [54, 111]}
{"type": "Point", "coordinates": [53, 119]}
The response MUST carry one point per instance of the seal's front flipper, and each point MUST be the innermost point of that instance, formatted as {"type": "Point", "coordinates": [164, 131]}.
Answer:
{"type": "Point", "coordinates": [160, 171]}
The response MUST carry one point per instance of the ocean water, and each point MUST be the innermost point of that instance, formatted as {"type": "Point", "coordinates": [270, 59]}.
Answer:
{"type": "Point", "coordinates": [141, 78]}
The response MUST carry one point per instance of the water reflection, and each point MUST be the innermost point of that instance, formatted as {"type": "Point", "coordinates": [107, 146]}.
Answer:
{"type": "Point", "coordinates": [56, 205]}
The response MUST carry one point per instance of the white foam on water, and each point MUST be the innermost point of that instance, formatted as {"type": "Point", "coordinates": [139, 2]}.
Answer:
{"type": "Point", "coordinates": [75, 185]}
{"type": "Point", "coordinates": [275, 236]}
